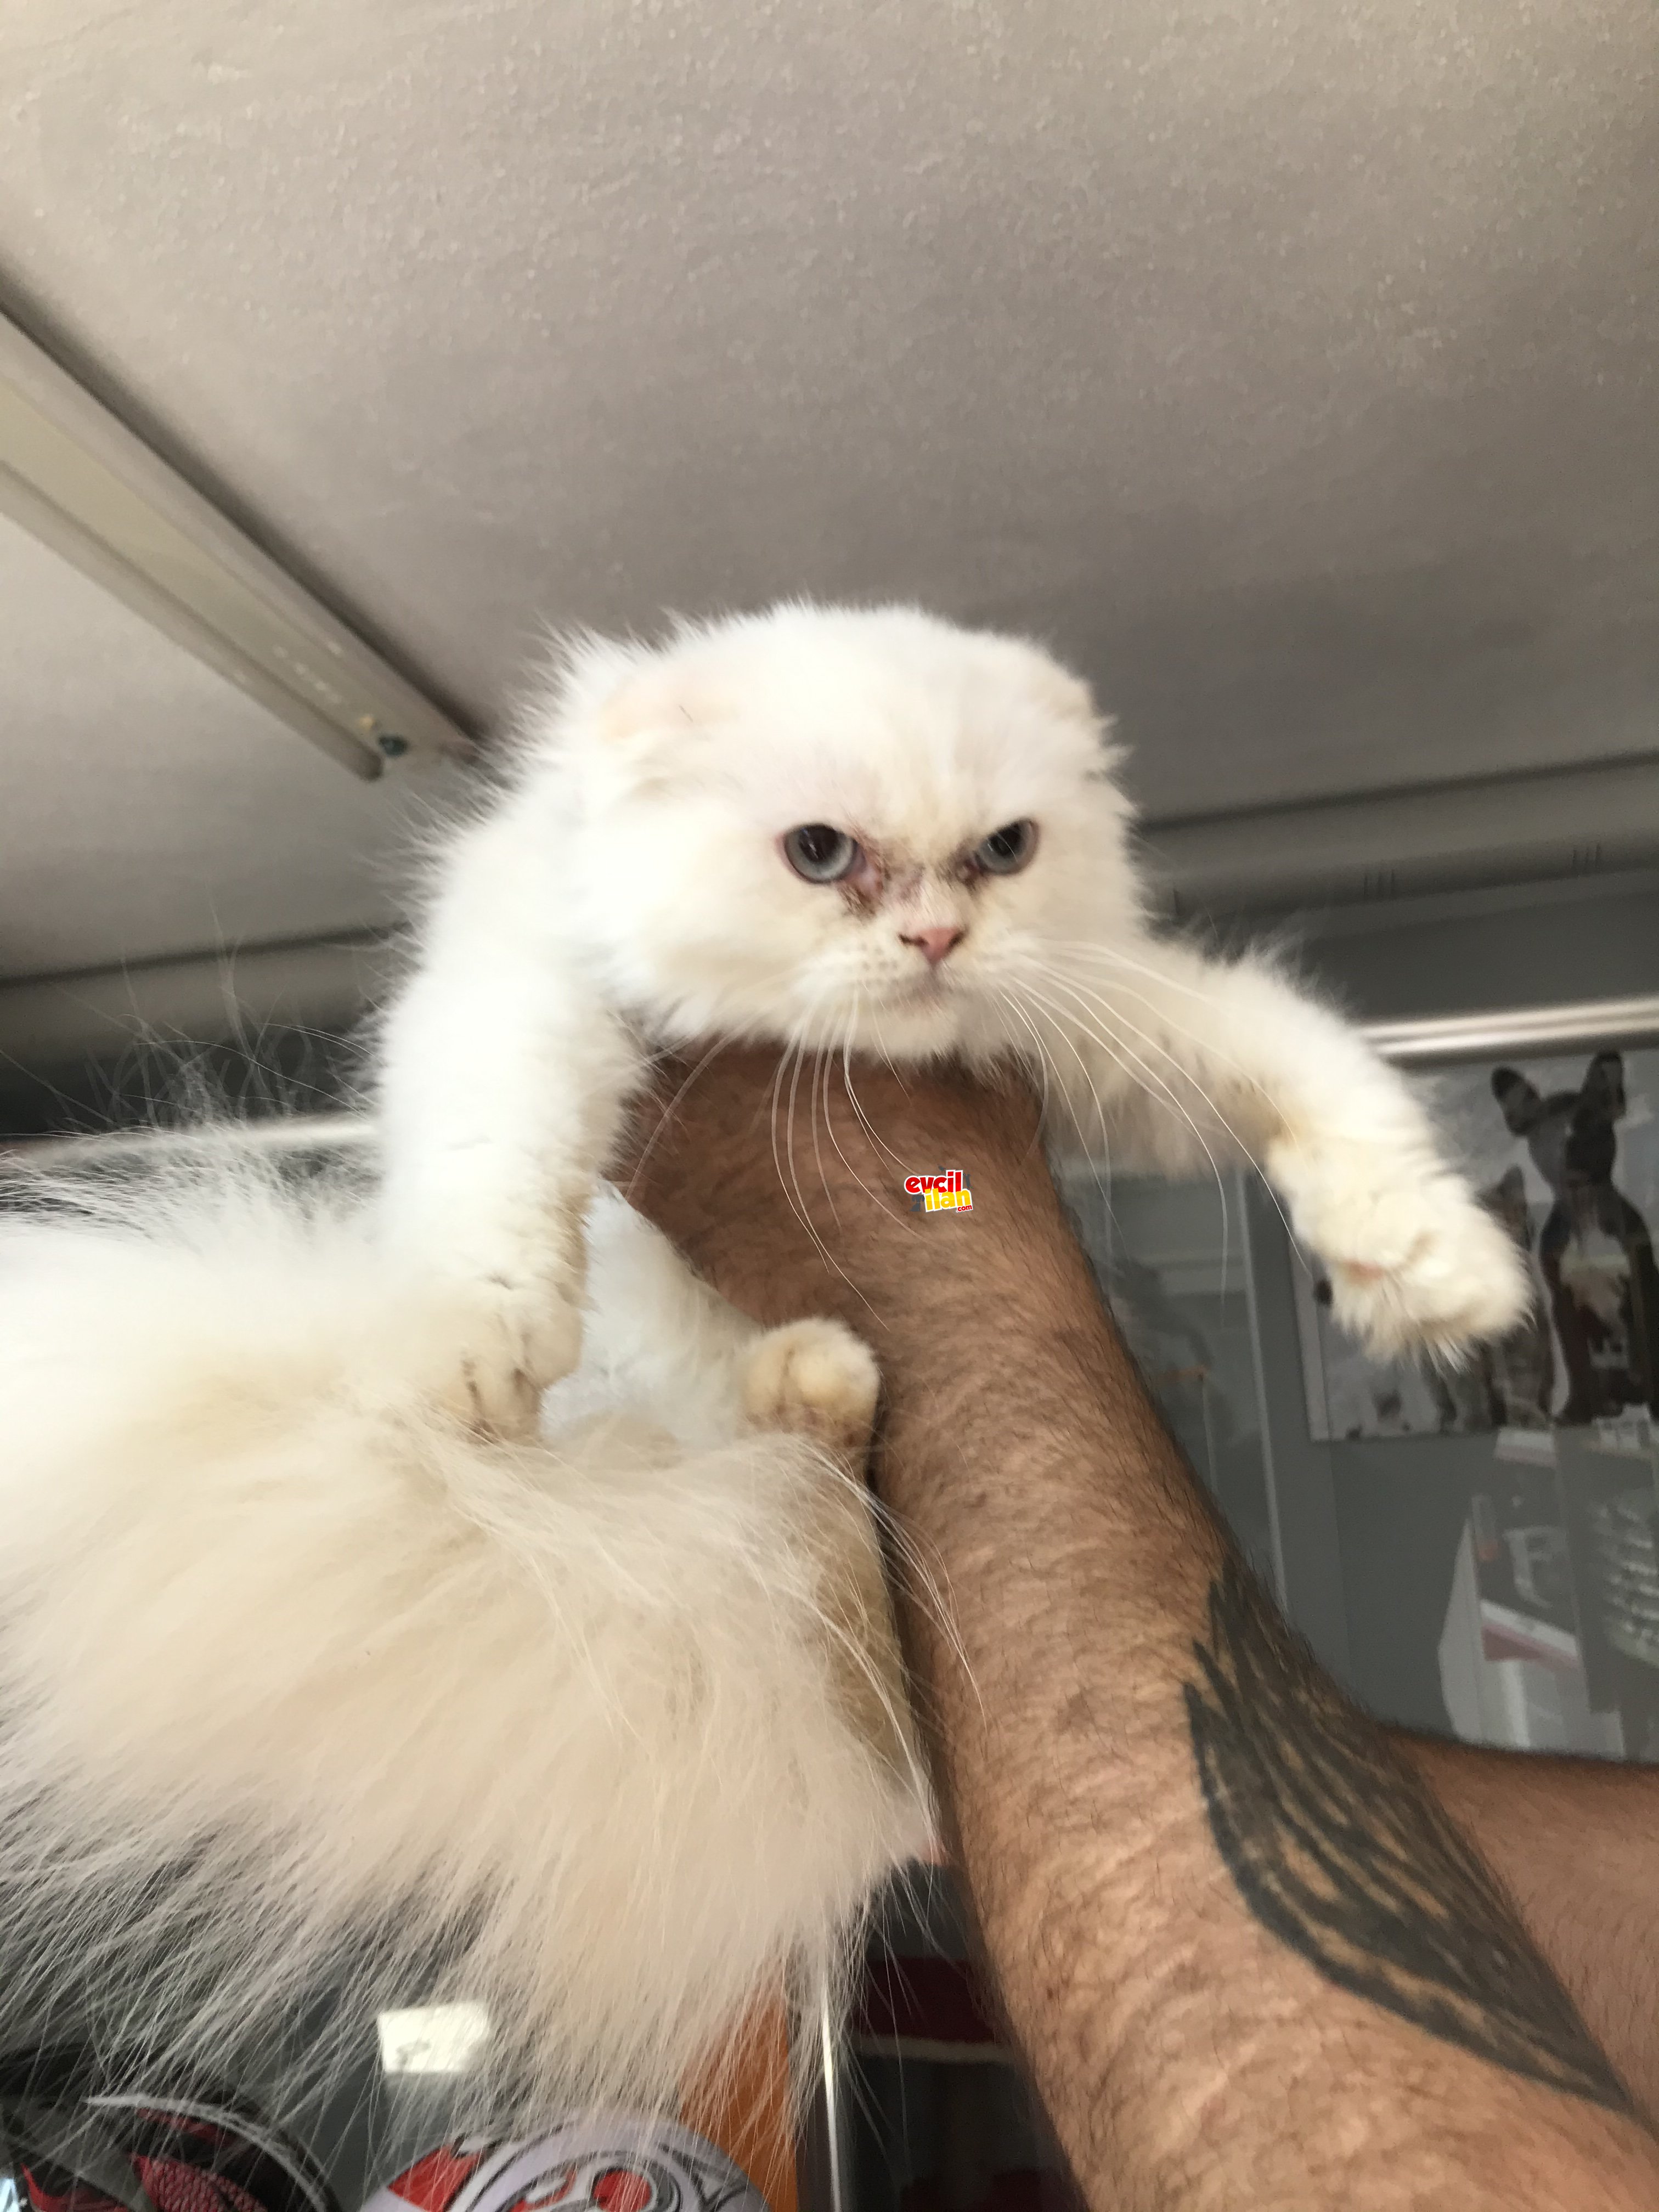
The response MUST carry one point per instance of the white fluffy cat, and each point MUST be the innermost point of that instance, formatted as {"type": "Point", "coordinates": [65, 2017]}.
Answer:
{"type": "Point", "coordinates": [311, 1635]}
{"type": "Point", "coordinates": [857, 831]}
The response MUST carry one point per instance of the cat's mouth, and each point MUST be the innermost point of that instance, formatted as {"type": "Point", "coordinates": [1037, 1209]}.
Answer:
{"type": "Point", "coordinates": [930, 989]}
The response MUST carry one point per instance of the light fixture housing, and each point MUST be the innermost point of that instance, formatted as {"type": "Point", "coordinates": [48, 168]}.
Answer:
{"type": "Point", "coordinates": [76, 477]}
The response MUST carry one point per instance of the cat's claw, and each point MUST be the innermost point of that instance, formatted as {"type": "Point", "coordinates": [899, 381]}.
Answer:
{"type": "Point", "coordinates": [813, 1378]}
{"type": "Point", "coordinates": [1415, 1260]}
{"type": "Point", "coordinates": [507, 1343]}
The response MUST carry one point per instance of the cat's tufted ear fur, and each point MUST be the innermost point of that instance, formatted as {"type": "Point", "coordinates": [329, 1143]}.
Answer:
{"type": "Point", "coordinates": [585, 669]}
{"type": "Point", "coordinates": [627, 703]}
{"type": "Point", "coordinates": [1069, 699]}
{"type": "Point", "coordinates": [1520, 1101]}
{"type": "Point", "coordinates": [660, 704]}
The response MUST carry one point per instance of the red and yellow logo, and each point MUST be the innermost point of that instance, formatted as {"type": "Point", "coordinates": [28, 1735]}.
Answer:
{"type": "Point", "coordinates": [947, 1192]}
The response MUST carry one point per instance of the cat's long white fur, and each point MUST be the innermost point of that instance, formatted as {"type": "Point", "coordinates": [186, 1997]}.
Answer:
{"type": "Point", "coordinates": [606, 1717]}
{"type": "Point", "coordinates": [599, 1730]}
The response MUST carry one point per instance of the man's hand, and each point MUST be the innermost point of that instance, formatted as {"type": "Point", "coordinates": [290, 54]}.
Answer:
{"type": "Point", "coordinates": [1251, 1961]}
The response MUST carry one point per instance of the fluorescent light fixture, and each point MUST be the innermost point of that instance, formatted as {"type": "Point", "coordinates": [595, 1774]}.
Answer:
{"type": "Point", "coordinates": [443, 2039]}
{"type": "Point", "coordinates": [77, 478]}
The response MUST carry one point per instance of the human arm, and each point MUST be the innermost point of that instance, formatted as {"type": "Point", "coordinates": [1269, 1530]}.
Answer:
{"type": "Point", "coordinates": [1575, 1842]}
{"type": "Point", "coordinates": [1250, 1959]}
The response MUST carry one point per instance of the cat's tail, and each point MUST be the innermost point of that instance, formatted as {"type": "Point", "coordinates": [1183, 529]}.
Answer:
{"type": "Point", "coordinates": [303, 1685]}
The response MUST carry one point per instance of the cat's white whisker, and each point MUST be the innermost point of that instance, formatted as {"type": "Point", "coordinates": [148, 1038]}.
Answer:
{"type": "Point", "coordinates": [1049, 1077]}
{"type": "Point", "coordinates": [1202, 1046]}
{"type": "Point", "coordinates": [784, 1161]}
{"type": "Point", "coordinates": [820, 1058]}
{"type": "Point", "coordinates": [642, 1157]}
{"type": "Point", "coordinates": [1099, 1008]}
{"type": "Point", "coordinates": [803, 1211]}
{"type": "Point", "coordinates": [1110, 1009]}
{"type": "Point", "coordinates": [1039, 1061]}
{"type": "Point", "coordinates": [845, 1066]}
{"type": "Point", "coordinates": [1129, 1058]}
{"type": "Point", "coordinates": [1090, 1089]}
{"type": "Point", "coordinates": [865, 1122]}
{"type": "Point", "coordinates": [1063, 1030]}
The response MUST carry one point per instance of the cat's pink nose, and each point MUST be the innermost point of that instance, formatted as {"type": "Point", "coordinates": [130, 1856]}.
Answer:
{"type": "Point", "coordinates": [936, 942]}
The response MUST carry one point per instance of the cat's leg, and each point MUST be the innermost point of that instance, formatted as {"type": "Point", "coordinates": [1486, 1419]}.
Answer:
{"type": "Point", "coordinates": [659, 1334]}
{"type": "Point", "coordinates": [1174, 1062]}
{"type": "Point", "coordinates": [502, 1079]}
{"type": "Point", "coordinates": [816, 1379]}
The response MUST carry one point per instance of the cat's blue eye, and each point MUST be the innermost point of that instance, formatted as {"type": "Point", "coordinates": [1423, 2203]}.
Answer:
{"type": "Point", "coordinates": [1005, 851]}
{"type": "Point", "coordinates": [820, 854]}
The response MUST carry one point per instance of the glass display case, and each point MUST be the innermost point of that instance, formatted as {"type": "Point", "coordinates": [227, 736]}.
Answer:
{"type": "Point", "coordinates": [1494, 1522]}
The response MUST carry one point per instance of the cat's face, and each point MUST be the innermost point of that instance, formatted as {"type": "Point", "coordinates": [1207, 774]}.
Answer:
{"type": "Point", "coordinates": [840, 828]}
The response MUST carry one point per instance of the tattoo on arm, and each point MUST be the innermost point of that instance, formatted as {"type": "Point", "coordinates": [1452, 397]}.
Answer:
{"type": "Point", "coordinates": [1346, 1856]}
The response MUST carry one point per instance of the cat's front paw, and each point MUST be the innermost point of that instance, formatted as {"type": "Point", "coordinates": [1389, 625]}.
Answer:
{"type": "Point", "coordinates": [1414, 1260]}
{"type": "Point", "coordinates": [813, 1378]}
{"type": "Point", "coordinates": [502, 1346]}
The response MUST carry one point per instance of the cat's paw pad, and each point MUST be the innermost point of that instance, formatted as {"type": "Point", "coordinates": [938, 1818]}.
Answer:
{"type": "Point", "coordinates": [505, 1345]}
{"type": "Point", "coordinates": [813, 1378]}
{"type": "Point", "coordinates": [1414, 1258]}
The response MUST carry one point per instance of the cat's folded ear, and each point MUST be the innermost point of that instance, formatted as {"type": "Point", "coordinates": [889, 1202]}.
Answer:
{"type": "Point", "coordinates": [1520, 1103]}
{"type": "Point", "coordinates": [659, 703]}
{"type": "Point", "coordinates": [1069, 699]}
{"type": "Point", "coordinates": [628, 699]}
{"type": "Point", "coordinates": [1066, 696]}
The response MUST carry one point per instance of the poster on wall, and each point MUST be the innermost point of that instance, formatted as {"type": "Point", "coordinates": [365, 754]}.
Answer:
{"type": "Point", "coordinates": [1564, 1150]}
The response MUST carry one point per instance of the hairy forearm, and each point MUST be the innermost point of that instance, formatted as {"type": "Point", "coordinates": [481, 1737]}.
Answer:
{"type": "Point", "coordinates": [1250, 1960]}
{"type": "Point", "coordinates": [1575, 1842]}
{"type": "Point", "coordinates": [1225, 2000]}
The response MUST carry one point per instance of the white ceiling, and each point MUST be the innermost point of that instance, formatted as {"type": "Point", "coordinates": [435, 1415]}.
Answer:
{"type": "Point", "coordinates": [1293, 366]}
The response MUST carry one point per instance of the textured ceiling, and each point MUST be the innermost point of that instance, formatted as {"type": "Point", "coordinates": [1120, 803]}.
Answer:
{"type": "Point", "coordinates": [1294, 367]}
